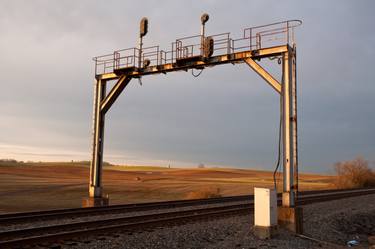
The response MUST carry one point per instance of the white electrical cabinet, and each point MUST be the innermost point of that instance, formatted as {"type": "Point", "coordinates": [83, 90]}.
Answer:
{"type": "Point", "coordinates": [265, 207]}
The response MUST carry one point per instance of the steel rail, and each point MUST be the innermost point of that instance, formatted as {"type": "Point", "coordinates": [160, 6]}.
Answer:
{"type": "Point", "coordinates": [141, 224]}
{"type": "Point", "coordinates": [7, 235]}
{"type": "Point", "coordinates": [74, 212]}
{"type": "Point", "coordinates": [63, 232]}
{"type": "Point", "coordinates": [136, 207]}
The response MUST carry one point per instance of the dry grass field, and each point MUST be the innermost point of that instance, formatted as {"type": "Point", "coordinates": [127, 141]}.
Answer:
{"type": "Point", "coordinates": [62, 185]}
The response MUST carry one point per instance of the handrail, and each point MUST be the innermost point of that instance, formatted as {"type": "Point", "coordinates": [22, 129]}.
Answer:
{"type": "Point", "coordinates": [262, 36]}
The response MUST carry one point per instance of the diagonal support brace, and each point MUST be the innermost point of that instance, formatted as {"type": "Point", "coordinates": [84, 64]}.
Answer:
{"type": "Point", "coordinates": [115, 92]}
{"type": "Point", "coordinates": [264, 74]}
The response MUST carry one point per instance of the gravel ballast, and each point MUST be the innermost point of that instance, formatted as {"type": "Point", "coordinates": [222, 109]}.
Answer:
{"type": "Point", "coordinates": [331, 224]}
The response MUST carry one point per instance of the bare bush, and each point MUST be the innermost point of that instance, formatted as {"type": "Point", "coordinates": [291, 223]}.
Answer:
{"type": "Point", "coordinates": [209, 192]}
{"type": "Point", "coordinates": [354, 174]}
{"type": "Point", "coordinates": [9, 162]}
{"type": "Point", "coordinates": [201, 166]}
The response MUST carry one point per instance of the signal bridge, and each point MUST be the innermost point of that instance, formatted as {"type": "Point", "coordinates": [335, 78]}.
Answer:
{"type": "Point", "coordinates": [274, 40]}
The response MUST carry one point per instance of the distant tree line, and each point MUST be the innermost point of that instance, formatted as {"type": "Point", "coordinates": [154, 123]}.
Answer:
{"type": "Point", "coordinates": [13, 162]}
{"type": "Point", "coordinates": [9, 162]}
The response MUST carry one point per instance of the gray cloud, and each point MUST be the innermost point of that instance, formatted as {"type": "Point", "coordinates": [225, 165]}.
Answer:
{"type": "Point", "coordinates": [227, 116]}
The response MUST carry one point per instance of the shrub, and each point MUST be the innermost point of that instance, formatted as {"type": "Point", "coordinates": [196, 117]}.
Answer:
{"type": "Point", "coordinates": [201, 166]}
{"type": "Point", "coordinates": [354, 174]}
{"type": "Point", "coordinates": [209, 192]}
{"type": "Point", "coordinates": [9, 162]}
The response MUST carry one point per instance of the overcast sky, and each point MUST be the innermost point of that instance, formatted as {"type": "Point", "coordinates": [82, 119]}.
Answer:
{"type": "Point", "coordinates": [226, 117]}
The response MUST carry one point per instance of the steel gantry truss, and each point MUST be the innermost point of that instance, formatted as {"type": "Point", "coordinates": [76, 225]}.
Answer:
{"type": "Point", "coordinates": [268, 41]}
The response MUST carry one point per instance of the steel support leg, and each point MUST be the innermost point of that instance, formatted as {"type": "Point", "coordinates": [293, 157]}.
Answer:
{"type": "Point", "coordinates": [288, 145]}
{"type": "Point", "coordinates": [295, 119]}
{"type": "Point", "coordinates": [95, 188]}
{"type": "Point", "coordinates": [290, 216]}
{"type": "Point", "coordinates": [102, 103]}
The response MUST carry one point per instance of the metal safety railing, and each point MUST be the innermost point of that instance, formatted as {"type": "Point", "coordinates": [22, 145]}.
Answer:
{"type": "Point", "coordinates": [258, 37]}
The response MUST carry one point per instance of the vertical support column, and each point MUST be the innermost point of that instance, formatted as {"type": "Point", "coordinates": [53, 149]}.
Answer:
{"type": "Point", "coordinates": [202, 40]}
{"type": "Point", "coordinates": [288, 194]}
{"type": "Point", "coordinates": [289, 215]}
{"type": "Point", "coordinates": [95, 186]}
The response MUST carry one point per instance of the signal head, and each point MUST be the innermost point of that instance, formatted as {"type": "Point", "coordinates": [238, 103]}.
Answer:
{"type": "Point", "coordinates": [143, 27]}
{"type": "Point", "coordinates": [204, 18]}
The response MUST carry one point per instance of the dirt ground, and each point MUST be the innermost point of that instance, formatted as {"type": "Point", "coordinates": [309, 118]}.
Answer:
{"type": "Point", "coordinates": [54, 185]}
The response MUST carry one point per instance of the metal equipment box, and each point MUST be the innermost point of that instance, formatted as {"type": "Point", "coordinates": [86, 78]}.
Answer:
{"type": "Point", "coordinates": [265, 212]}
{"type": "Point", "coordinates": [265, 207]}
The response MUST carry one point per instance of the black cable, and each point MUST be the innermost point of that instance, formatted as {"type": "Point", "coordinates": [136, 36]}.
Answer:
{"type": "Point", "coordinates": [280, 127]}
{"type": "Point", "coordinates": [278, 179]}
{"type": "Point", "coordinates": [196, 75]}
{"type": "Point", "coordinates": [279, 147]}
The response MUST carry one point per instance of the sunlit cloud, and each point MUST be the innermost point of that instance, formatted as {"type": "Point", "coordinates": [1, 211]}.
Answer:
{"type": "Point", "coordinates": [227, 116]}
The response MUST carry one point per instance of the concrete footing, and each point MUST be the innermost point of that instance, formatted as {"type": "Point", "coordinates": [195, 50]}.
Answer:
{"type": "Point", "coordinates": [262, 232]}
{"type": "Point", "coordinates": [95, 201]}
{"type": "Point", "coordinates": [291, 218]}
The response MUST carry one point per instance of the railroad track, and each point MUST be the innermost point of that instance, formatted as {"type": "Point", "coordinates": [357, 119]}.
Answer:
{"type": "Point", "coordinates": [113, 209]}
{"type": "Point", "coordinates": [109, 227]}
{"type": "Point", "coordinates": [26, 217]}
